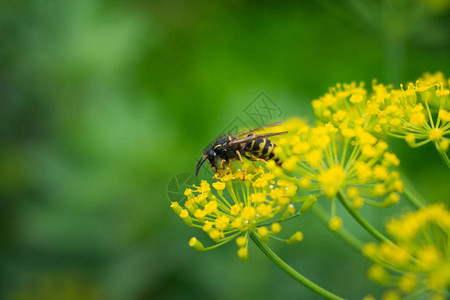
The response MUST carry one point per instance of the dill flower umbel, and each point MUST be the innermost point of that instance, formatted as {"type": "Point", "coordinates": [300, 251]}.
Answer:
{"type": "Point", "coordinates": [419, 261]}
{"type": "Point", "coordinates": [231, 208]}
{"type": "Point", "coordinates": [418, 113]}
{"type": "Point", "coordinates": [327, 161]}
{"type": "Point", "coordinates": [324, 160]}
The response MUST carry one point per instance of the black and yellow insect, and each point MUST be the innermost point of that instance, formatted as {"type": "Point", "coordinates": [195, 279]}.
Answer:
{"type": "Point", "coordinates": [227, 149]}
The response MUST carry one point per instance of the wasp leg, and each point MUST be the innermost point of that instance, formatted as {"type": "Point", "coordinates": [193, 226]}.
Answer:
{"type": "Point", "coordinates": [256, 159]}
{"type": "Point", "coordinates": [242, 163]}
{"type": "Point", "coordinates": [253, 159]}
{"type": "Point", "coordinates": [222, 164]}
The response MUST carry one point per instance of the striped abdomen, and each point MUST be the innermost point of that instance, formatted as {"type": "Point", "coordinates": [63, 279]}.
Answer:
{"type": "Point", "coordinates": [262, 148]}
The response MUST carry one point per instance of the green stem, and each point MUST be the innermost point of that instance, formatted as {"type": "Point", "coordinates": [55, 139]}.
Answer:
{"type": "Point", "coordinates": [344, 234]}
{"type": "Point", "coordinates": [411, 193]}
{"type": "Point", "coordinates": [358, 218]}
{"type": "Point", "coordinates": [290, 271]}
{"type": "Point", "coordinates": [443, 155]}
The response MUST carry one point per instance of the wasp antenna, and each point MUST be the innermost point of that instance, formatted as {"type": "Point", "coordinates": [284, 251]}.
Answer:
{"type": "Point", "coordinates": [200, 163]}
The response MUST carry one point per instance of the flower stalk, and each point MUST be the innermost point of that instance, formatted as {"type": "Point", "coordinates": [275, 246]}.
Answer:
{"type": "Point", "coordinates": [290, 271]}
{"type": "Point", "coordinates": [358, 218]}
{"type": "Point", "coordinates": [342, 233]}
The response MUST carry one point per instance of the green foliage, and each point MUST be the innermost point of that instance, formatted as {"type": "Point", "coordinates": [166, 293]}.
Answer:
{"type": "Point", "coordinates": [102, 103]}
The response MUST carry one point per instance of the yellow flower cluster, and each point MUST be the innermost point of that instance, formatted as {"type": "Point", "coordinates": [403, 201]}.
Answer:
{"type": "Point", "coordinates": [419, 113]}
{"type": "Point", "coordinates": [232, 207]}
{"type": "Point", "coordinates": [420, 253]}
{"type": "Point", "coordinates": [325, 160]}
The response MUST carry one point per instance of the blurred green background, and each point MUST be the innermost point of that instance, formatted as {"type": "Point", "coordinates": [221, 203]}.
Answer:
{"type": "Point", "coordinates": [102, 103]}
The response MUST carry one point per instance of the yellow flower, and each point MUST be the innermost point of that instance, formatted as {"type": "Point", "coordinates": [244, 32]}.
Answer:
{"type": "Point", "coordinates": [234, 208]}
{"type": "Point", "coordinates": [407, 283]}
{"type": "Point", "coordinates": [219, 186]}
{"type": "Point", "coordinates": [331, 180]}
{"type": "Point", "coordinates": [243, 253]}
{"type": "Point", "coordinates": [418, 114]}
{"type": "Point", "coordinates": [241, 241]}
{"type": "Point", "coordinates": [378, 274]}
{"type": "Point", "coordinates": [335, 223]}
{"type": "Point", "coordinates": [420, 252]}
{"type": "Point", "coordinates": [295, 238]}
{"type": "Point", "coordinates": [349, 158]}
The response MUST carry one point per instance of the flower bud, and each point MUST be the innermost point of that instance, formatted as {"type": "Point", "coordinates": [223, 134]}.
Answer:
{"type": "Point", "coordinates": [275, 228]}
{"type": "Point", "coordinates": [295, 238]}
{"type": "Point", "coordinates": [391, 199]}
{"type": "Point", "coordinates": [378, 274]}
{"type": "Point", "coordinates": [184, 215]}
{"type": "Point", "coordinates": [196, 244]}
{"type": "Point", "coordinates": [263, 233]}
{"type": "Point", "coordinates": [290, 210]}
{"type": "Point", "coordinates": [241, 241]}
{"type": "Point", "coordinates": [243, 253]}
{"type": "Point", "coordinates": [176, 208]}
{"type": "Point", "coordinates": [307, 204]}
{"type": "Point", "coordinates": [335, 223]}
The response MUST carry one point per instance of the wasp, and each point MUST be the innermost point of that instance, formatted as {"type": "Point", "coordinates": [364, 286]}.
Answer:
{"type": "Point", "coordinates": [227, 149]}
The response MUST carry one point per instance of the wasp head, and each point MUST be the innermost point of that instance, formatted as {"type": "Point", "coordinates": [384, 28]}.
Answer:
{"type": "Point", "coordinates": [209, 155]}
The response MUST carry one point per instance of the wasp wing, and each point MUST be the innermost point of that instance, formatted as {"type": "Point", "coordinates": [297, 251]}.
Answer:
{"type": "Point", "coordinates": [254, 137]}
{"type": "Point", "coordinates": [259, 128]}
